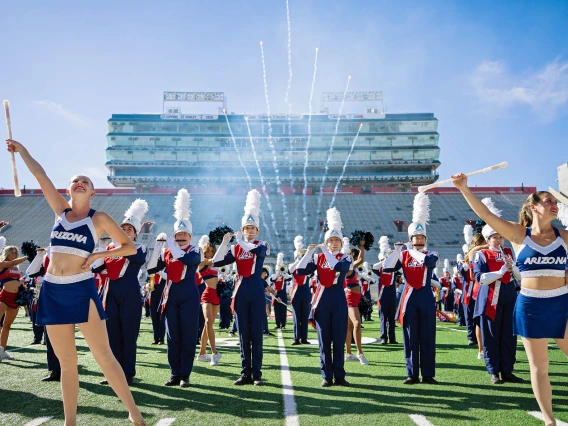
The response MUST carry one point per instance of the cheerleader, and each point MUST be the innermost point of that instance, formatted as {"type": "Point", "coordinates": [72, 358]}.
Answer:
{"type": "Point", "coordinates": [300, 296]}
{"type": "Point", "coordinates": [210, 302]}
{"type": "Point", "coordinates": [156, 285]}
{"type": "Point", "coordinates": [387, 298]}
{"type": "Point", "coordinates": [180, 300]}
{"type": "Point", "coordinates": [541, 310]}
{"type": "Point", "coordinates": [10, 285]}
{"type": "Point", "coordinates": [68, 295]}
{"type": "Point", "coordinates": [416, 312]}
{"type": "Point", "coordinates": [248, 296]}
{"type": "Point", "coordinates": [353, 294]}
{"type": "Point", "coordinates": [279, 280]}
{"type": "Point", "coordinates": [329, 304]}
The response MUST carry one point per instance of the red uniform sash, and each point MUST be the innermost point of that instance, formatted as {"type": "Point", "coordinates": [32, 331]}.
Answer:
{"type": "Point", "coordinates": [299, 281]}
{"type": "Point", "coordinates": [385, 280]}
{"type": "Point", "coordinates": [445, 284]}
{"type": "Point", "coordinates": [403, 302]}
{"type": "Point", "coordinates": [468, 286]}
{"type": "Point", "coordinates": [495, 261]}
{"type": "Point", "coordinates": [175, 269]}
{"type": "Point", "coordinates": [315, 302]}
{"type": "Point", "coordinates": [414, 271]}
{"type": "Point", "coordinates": [327, 276]}
{"type": "Point", "coordinates": [459, 286]}
{"type": "Point", "coordinates": [279, 283]}
{"type": "Point", "coordinates": [245, 260]}
{"type": "Point", "coordinates": [364, 286]}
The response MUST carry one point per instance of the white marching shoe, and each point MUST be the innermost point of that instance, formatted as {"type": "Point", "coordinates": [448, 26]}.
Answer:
{"type": "Point", "coordinates": [203, 358]}
{"type": "Point", "coordinates": [351, 358]}
{"type": "Point", "coordinates": [480, 355]}
{"type": "Point", "coordinates": [215, 358]}
{"type": "Point", "coordinates": [363, 359]}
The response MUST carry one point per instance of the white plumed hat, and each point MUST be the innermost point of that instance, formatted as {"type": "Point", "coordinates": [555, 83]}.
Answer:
{"type": "Point", "coordinates": [420, 215]}
{"type": "Point", "coordinates": [202, 241]}
{"type": "Point", "coordinates": [467, 236]}
{"type": "Point", "coordinates": [487, 230]}
{"type": "Point", "coordinates": [446, 266]}
{"type": "Point", "coordinates": [346, 245]}
{"type": "Point", "coordinates": [298, 245]}
{"type": "Point", "coordinates": [563, 214]}
{"type": "Point", "coordinates": [182, 212]}
{"type": "Point", "coordinates": [252, 210]}
{"type": "Point", "coordinates": [334, 225]}
{"type": "Point", "coordinates": [134, 215]}
{"type": "Point", "coordinates": [384, 247]}
{"type": "Point", "coordinates": [279, 259]}
{"type": "Point", "coordinates": [459, 257]}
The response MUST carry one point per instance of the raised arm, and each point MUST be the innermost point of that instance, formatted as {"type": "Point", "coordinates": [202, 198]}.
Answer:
{"type": "Point", "coordinates": [54, 198]}
{"type": "Point", "coordinates": [510, 230]}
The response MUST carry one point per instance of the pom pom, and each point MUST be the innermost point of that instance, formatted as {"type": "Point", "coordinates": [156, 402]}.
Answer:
{"type": "Point", "coordinates": [357, 236]}
{"type": "Point", "coordinates": [25, 296]}
{"type": "Point", "coordinates": [468, 233]}
{"type": "Point", "coordinates": [562, 215]}
{"type": "Point", "coordinates": [421, 209]}
{"type": "Point", "coordinates": [492, 207]}
{"type": "Point", "coordinates": [252, 204]}
{"type": "Point", "coordinates": [162, 237]}
{"type": "Point", "coordinates": [202, 241]}
{"type": "Point", "coordinates": [279, 259]}
{"type": "Point", "coordinates": [334, 219]}
{"type": "Point", "coordinates": [299, 242]}
{"type": "Point", "coordinates": [182, 205]}
{"type": "Point", "coordinates": [29, 249]}
{"type": "Point", "coordinates": [137, 209]}
{"type": "Point", "coordinates": [216, 236]}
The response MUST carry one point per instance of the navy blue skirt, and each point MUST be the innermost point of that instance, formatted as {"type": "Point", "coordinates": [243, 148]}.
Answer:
{"type": "Point", "coordinates": [541, 314]}
{"type": "Point", "coordinates": [66, 299]}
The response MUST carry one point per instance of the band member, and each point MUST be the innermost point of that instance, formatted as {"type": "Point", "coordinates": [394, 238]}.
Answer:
{"type": "Point", "coordinates": [180, 301]}
{"type": "Point", "coordinates": [416, 312]}
{"type": "Point", "coordinates": [386, 300]}
{"type": "Point", "coordinates": [156, 284]}
{"type": "Point", "coordinates": [494, 270]}
{"type": "Point", "coordinates": [248, 296]}
{"type": "Point", "coordinates": [68, 295]}
{"type": "Point", "coordinates": [301, 296]}
{"type": "Point", "coordinates": [279, 280]}
{"type": "Point", "coordinates": [329, 304]}
{"type": "Point", "coordinates": [121, 293]}
{"type": "Point", "coordinates": [446, 288]}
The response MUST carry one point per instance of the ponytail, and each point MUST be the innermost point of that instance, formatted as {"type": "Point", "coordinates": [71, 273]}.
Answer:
{"type": "Point", "coordinates": [526, 215]}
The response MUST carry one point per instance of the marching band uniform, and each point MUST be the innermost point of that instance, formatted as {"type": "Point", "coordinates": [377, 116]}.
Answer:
{"type": "Point", "coordinates": [300, 296]}
{"type": "Point", "coordinates": [416, 312]}
{"type": "Point", "coordinates": [366, 290]}
{"type": "Point", "coordinates": [457, 287]}
{"type": "Point", "coordinates": [121, 295]}
{"type": "Point", "coordinates": [446, 288]}
{"type": "Point", "coordinates": [158, 320]}
{"type": "Point", "coordinates": [248, 295]}
{"type": "Point", "coordinates": [279, 280]}
{"type": "Point", "coordinates": [225, 315]}
{"type": "Point", "coordinates": [386, 299]}
{"type": "Point", "coordinates": [180, 300]}
{"type": "Point", "coordinates": [468, 279]}
{"type": "Point", "coordinates": [494, 307]}
{"type": "Point", "coordinates": [329, 304]}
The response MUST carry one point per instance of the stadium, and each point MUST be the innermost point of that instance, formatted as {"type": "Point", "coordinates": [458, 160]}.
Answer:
{"type": "Point", "coordinates": [369, 166]}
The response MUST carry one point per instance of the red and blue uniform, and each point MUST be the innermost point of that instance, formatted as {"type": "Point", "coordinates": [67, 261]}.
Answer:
{"type": "Point", "coordinates": [417, 311]}
{"type": "Point", "coordinates": [300, 298]}
{"type": "Point", "coordinates": [329, 310]}
{"type": "Point", "coordinates": [158, 320]}
{"type": "Point", "coordinates": [386, 301]}
{"type": "Point", "coordinates": [180, 305]}
{"type": "Point", "coordinates": [122, 301]}
{"type": "Point", "coordinates": [448, 298]}
{"type": "Point", "coordinates": [494, 307]}
{"type": "Point", "coordinates": [248, 302]}
{"type": "Point", "coordinates": [280, 311]}
{"type": "Point", "coordinates": [458, 305]}
{"type": "Point", "coordinates": [467, 298]}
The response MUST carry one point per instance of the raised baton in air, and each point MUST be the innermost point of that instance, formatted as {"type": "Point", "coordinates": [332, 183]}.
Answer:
{"type": "Point", "coordinates": [17, 192]}
{"type": "Point", "coordinates": [477, 172]}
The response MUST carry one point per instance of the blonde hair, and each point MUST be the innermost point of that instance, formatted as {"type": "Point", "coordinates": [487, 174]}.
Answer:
{"type": "Point", "coordinates": [525, 215]}
{"type": "Point", "coordinates": [207, 246]}
{"type": "Point", "coordinates": [476, 241]}
{"type": "Point", "coordinates": [8, 250]}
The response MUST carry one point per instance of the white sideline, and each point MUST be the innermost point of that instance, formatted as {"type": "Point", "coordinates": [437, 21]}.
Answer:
{"type": "Point", "coordinates": [39, 421]}
{"type": "Point", "coordinates": [290, 410]}
{"type": "Point", "coordinates": [538, 415]}
{"type": "Point", "coordinates": [166, 422]}
{"type": "Point", "coordinates": [420, 420]}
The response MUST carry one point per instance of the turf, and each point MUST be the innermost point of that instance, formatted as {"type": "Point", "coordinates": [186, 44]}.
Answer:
{"type": "Point", "coordinates": [376, 396]}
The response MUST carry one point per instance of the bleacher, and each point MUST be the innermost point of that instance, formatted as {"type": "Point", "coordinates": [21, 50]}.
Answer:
{"type": "Point", "coordinates": [30, 217]}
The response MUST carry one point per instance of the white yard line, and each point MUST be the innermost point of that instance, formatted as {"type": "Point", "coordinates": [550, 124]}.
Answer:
{"type": "Point", "coordinates": [538, 415]}
{"type": "Point", "coordinates": [290, 409]}
{"type": "Point", "coordinates": [38, 421]}
{"type": "Point", "coordinates": [166, 422]}
{"type": "Point", "coordinates": [420, 420]}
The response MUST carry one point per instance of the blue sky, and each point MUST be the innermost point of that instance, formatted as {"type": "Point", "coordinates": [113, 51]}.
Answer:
{"type": "Point", "coordinates": [495, 74]}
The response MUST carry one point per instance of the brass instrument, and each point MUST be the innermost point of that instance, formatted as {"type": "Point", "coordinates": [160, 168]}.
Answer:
{"type": "Point", "coordinates": [223, 269]}
{"type": "Point", "coordinates": [151, 282]}
{"type": "Point", "coordinates": [282, 268]}
{"type": "Point", "coordinates": [360, 268]}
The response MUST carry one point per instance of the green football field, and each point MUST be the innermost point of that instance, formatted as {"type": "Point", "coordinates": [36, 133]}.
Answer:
{"type": "Point", "coordinates": [376, 395]}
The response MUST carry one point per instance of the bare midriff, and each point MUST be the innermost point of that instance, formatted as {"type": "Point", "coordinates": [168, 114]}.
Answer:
{"type": "Point", "coordinates": [543, 283]}
{"type": "Point", "coordinates": [11, 286]}
{"type": "Point", "coordinates": [64, 264]}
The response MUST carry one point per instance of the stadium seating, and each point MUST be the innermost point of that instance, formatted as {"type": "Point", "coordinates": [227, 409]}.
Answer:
{"type": "Point", "coordinates": [30, 218]}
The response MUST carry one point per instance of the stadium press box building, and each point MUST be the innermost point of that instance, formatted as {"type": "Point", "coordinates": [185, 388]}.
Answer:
{"type": "Point", "coordinates": [173, 149]}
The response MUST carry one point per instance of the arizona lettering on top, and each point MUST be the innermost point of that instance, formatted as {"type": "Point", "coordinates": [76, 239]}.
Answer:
{"type": "Point", "coordinates": [76, 238]}
{"type": "Point", "coordinates": [531, 257]}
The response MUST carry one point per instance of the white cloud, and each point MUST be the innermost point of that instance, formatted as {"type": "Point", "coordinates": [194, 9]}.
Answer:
{"type": "Point", "coordinates": [544, 91]}
{"type": "Point", "coordinates": [58, 109]}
